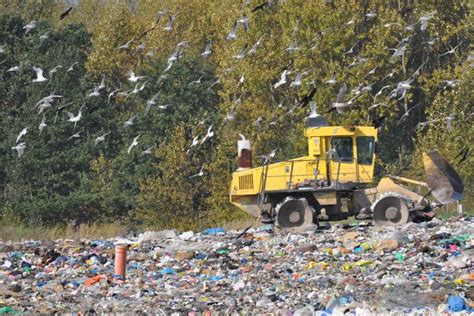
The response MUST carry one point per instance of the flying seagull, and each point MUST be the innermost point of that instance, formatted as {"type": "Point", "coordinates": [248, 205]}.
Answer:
{"type": "Point", "coordinates": [199, 174]}
{"type": "Point", "coordinates": [39, 75]}
{"type": "Point", "coordinates": [74, 118]}
{"type": "Point", "coordinates": [134, 143]}
{"type": "Point", "coordinates": [101, 138]}
{"type": "Point", "coordinates": [21, 134]}
{"type": "Point", "coordinates": [20, 148]}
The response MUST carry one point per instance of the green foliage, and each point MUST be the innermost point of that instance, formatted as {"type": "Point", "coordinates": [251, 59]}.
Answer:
{"type": "Point", "coordinates": [62, 179]}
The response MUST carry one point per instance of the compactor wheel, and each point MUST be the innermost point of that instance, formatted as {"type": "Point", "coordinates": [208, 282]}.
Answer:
{"type": "Point", "coordinates": [294, 214]}
{"type": "Point", "coordinates": [390, 208]}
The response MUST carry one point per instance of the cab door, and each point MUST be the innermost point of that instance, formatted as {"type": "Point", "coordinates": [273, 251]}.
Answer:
{"type": "Point", "coordinates": [365, 158]}
{"type": "Point", "coordinates": [343, 166]}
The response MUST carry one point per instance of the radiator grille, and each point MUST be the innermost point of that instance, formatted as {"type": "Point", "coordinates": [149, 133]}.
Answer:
{"type": "Point", "coordinates": [246, 182]}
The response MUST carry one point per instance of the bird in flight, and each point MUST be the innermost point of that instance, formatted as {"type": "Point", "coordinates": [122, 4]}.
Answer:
{"type": "Point", "coordinates": [74, 118]}
{"type": "Point", "coordinates": [132, 77]}
{"type": "Point", "coordinates": [65, 13]}
{"type": "Point", "coordinates": [101, 138]}
{"type": "Point", "coordinates": [30, 26]}
{"type": "Point", "coordinates": [134, 143]}
{"type": "Point", "coordinates": [20, 148]}
{"type": "Point", "coordinates": [199, 174]}
{"type": "Point", "coordinates": [21, 134]}
{"type": "Point", "coordinates": [39, 75]}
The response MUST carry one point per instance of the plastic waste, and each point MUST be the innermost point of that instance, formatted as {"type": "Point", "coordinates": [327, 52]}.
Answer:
{"type": "Point", "coordinates": [214, 231]}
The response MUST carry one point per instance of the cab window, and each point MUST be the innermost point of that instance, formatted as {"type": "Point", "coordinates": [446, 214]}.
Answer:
{"type": "Point", "coordinates": [343, 148]}
{"type": "Point", "coordinates": [365, 150]}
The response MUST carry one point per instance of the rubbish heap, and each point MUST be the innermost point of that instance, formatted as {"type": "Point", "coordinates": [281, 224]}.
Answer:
{"type": "Point", "coordinates": [359, 269]}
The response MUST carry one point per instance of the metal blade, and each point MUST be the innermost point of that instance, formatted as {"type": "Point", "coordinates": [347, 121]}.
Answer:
{"type": "Point", "coordinates": [445, 183]}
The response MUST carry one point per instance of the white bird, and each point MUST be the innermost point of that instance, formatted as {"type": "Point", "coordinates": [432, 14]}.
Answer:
{"type": "Point", "coordinates": [140, 47]}
{"type": "Point", "coordinates": [244, 20]}
{"type": "Point", "coordinates": [449, 120]}
{"type": "Point", "coordinates": [241, 54]}
{"type": "Point", "coordinates": [148, 151]}
{"type": "Point", "coordinates": [233, 32]}
{"type": "Point", "coordinates": [2, 49]}
{"type": "Point", "coordinates": [282, 80]}
{"type": "Point", "coordinates": [375, 105]}
{"type": "Point", "coordinates": [452, 50]}
{"type": "Point", "coordinates": [76, 135]}
{"type": "Point", "coordinates": [241, 80]}
{"type": "Point", "coordinates": [381, 91]}
{"type": "Point", "coordinates": [43, 38]}
{"type": "Point", "coordinates": [48, 99]}
{"type": "Point", "coordinates": [425, 19]}
{"type": "Point", "coordinates": [39, 75]}
{"type": "Point", "coordinates": [134, 143]}
{"type": "Point", "coordinates": [30, 26]}
{"type": "Point", "coordinates": [198, 81]}
{"type": "Point", "coordinates": [74, 118]}
{"type": "Point", "coordinates": [137, 89]}
{"type": "Point", "coordinates": [399, 52]}
{"type": "Point", "coordinates": [20, 148]}
{"type": "Point", "coordinates": [351, 50]}
{"type": "Point", "coordinates": [43, 106]}
{"type": "Point", "coordinates": [293, 47]}
{"type": "Point", "coordinates": [407, 113]}
{"type": "Point", "coordinates": [451, 83]}
{"type": "Point", "coordinates": [331, 80]}
{"type": "Point", "coordinates": [102, 83]}
{"type": "Point", "coordinates": [242, 136]}
{"type": "Point", "coordinates": [208, 50]}
{"type": "Point", "coordinates": [101, 138]}
{"type": "Point", "coordinates": [297, 82]}
{"type": "Point", "coordinates": [129, 122]}
{"type": "Point", "coordinates": [71, 68]}
{"type": "Point", "coordinates": [253, 50]}
{"type": "Point", "coordinates": [209, 134]}
{"type": "Point", "coordinates": [199, 174]}
{"type": "Point", "coordinates": [371, 15]}
{"type": "Point", "coordinates": [340, 105]}
{"type": "Point", "coordinates": [194, 143]}
{"type": "Point", "coordinates": [54, 70]}
{"type": "Point", "coordinates": [163, 106]}
{"type": "Point", "coordinates": [169, 25]}
{"type": "Point", "coordinates": [12, 69]}
{"type": "Point", "coordinates": [151, 102]}
{"type": "Point", "coordinates": [95, 92]}
{"type": "Point", "coordinates": [22, 133]}
{"type": "Point", "coordinates": [312, 107]}
{"type": "Point", "coordinates": [42, 125]}
{"type": "Point", "coordinates": [269, 157]}
{"type": "Point", "coordinates": [126, 45]}
{"type": "Point", "coordinates": [132, 77]}
{"type": "Point", "coordinates": [401, 89]}
{"type": "Point", "coordinates": [111, 94]}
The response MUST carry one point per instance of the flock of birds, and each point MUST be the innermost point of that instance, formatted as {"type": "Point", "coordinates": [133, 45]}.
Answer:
{"type": "Point", "coordinates": [342, 103]}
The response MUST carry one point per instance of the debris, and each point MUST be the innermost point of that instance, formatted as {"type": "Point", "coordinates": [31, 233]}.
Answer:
{"type": "Point", "coordinates": [341, 270]}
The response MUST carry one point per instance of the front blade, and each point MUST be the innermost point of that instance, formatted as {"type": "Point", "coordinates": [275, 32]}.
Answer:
{"type": "Point", "coordinates": [442, 179]}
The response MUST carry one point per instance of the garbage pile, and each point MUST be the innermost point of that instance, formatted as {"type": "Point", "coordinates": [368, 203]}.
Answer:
{"type": "Point", "coordinates": [359, 269]}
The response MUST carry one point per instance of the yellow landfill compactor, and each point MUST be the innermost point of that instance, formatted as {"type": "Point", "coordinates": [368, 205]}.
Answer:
{"type": "Point", "coordinates": [336, 180]}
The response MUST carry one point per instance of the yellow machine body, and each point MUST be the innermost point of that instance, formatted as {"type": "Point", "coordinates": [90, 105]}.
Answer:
{"type": "Point", "coordinates": [335, 180]}
{"type": "Point", "coordinates": [336, 155]}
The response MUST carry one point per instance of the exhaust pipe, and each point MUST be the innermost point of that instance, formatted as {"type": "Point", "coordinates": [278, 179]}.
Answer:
{"type": "Point", "coordinates": [244, 153]}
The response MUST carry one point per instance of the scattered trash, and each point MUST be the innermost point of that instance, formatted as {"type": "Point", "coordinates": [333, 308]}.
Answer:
{"type": "Point", "coordinates": [345, 269]}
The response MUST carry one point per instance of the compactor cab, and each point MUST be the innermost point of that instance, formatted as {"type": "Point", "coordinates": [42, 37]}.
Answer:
{"type": "Point", "coordinates": [335, 180]}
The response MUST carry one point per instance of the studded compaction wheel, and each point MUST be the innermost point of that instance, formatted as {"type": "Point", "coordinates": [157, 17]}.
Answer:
{"type": "Point", "coordinates": [391, 208]}
{"type": "Point", "coordinates": [294, 213]}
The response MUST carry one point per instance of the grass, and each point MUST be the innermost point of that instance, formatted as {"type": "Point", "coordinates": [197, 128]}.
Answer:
{"type": "Point", "coordinates": [19, 232]}
{"type": "Point", "coordinates": [23, 232]}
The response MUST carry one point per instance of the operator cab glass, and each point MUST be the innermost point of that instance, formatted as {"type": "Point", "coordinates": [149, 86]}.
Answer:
{"type": "Point", "coordinates": [344, 149]}
{"type": "Point", "coordinates": [365, 149]}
